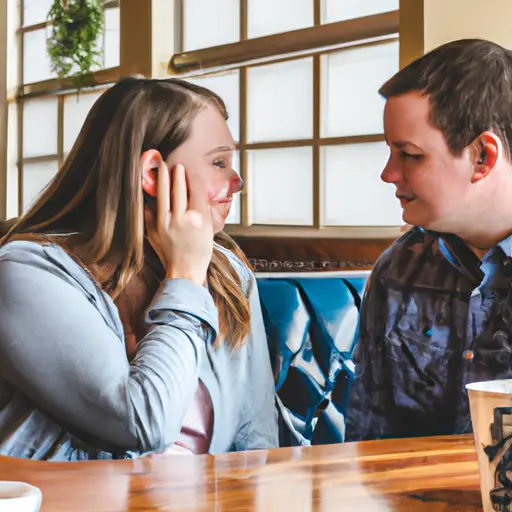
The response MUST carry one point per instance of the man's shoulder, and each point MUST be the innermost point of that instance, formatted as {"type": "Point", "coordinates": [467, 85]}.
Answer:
{"type": "Point", "coordinates": [411, 244]}
{"type": "Point", "coordinates": [416, 238]}
{"type": "Point", "coordinates": [415, 255]}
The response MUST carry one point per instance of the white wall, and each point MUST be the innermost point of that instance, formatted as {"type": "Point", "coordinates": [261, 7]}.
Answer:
{"type": "Point", "coordinates": [448, 20]}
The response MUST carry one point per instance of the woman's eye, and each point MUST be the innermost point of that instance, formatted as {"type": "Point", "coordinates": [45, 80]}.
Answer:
{"type": "Point", "coordinates": [221, 164]}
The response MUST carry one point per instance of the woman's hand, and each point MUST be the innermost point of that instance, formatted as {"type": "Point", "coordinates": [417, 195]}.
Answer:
{"type": "Point", "coordinates": [181, 235]}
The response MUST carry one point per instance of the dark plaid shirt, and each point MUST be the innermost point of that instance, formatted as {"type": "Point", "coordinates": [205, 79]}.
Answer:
{"type": "Point", "coordinates": [434, 318]}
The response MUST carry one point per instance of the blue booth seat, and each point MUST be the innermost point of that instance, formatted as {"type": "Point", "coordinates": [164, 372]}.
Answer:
{"type": "Point", "coordinates": [311, 322]}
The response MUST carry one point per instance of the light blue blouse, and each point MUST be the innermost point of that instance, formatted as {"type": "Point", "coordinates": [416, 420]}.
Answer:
{"type": "Point", "coordinates": [68, 391]}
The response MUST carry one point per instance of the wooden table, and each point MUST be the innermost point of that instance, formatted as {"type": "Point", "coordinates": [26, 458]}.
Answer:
{"type": "Point", "coordinates": [427, 474]}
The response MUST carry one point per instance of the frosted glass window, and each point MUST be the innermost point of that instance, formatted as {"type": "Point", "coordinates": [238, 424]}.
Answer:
{"type": "Point", "coordinates": [111, 38]}
{"type": "Point", "coordinates": [234, 216]}
{"type": "Point", "coordinates": [352, 193]}
{"type": "Point", "coordinates": [12, 161]}
{"type": "Point", "coordinates": [209, 23]}
{"type": "Point", "coordinates": [351, 104]}
{"type": "Point", "coordinates": [40, 127]}
{"type": "Point", "coordinates": [280, 186]}
{"type": "Point", "coordinates": [280, 101]}
{"type": "Point", "coordinates": [36, 64]}
{"type": "Point", "coordinates": [339, 10]}
{"type": "Point", "coordinates": [12, 191]}
{"type": "Point", "coordinates": [11, 57]}
{"type": "Point", "coordinates": [267, 17]}
{"type": "Point", "coordinates": [35, 178]}
{"type": "Point", "coordinates": [109, 42]}
{"type": "Point", "coordinates": [35, 11]}
{"type": "Point", "coordinates": [76, 108]}
{"type": "Point", "coordinates": [227, 86]}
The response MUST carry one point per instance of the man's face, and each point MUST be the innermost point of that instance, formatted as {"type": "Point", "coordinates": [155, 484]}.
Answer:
{"type": "Point", "coordinates": [433, 186]}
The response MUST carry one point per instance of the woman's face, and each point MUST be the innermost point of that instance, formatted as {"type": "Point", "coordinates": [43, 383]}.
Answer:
{"type": "Point", "coordinates": [207, 155]}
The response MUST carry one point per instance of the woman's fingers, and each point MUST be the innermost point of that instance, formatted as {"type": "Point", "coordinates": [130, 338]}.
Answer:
{"type": "Point", "coordinates": [176, 194]}
{"type": "Point", "coordinates": [183, 237]}
{"type": "Point", "coordinates": [163, 203]}
{"type": "Point", "coordinates": [179, 190]}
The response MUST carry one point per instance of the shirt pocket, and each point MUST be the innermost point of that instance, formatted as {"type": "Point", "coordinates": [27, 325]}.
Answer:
{"type": "Point", "coordinates": [418, 349]}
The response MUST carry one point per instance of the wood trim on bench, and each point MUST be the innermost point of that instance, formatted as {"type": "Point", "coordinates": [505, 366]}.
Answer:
{"type": "Point", "coordinates": [312, 254]}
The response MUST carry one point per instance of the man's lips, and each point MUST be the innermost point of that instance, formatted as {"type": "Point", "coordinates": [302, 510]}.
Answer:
{"type": "Point", "coordinates": [405, 199]}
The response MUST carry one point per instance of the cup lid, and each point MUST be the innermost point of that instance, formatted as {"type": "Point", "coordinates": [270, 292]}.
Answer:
{"type": "Point", "coordinates": [19, 496]}
{"type": "Point", "coordinates": [501, 386]}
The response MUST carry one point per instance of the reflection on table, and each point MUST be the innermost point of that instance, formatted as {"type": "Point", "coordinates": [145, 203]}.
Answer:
{"type": "Point", "coordinates": [427, 474]}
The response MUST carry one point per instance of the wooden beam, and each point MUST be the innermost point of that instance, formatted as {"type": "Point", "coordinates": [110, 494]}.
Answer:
{"type": "Point", "coordinates": [136, 40]}
{"type": "Point", "coordinates": [321, 36]}
{"type": "Point", "coordinates": [412, 31]}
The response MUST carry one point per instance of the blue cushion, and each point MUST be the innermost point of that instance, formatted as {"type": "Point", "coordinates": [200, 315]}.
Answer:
{"type": "Point", "coordinates": [311, 323]}
{"type": "Point", "coordinates": [286, 321]}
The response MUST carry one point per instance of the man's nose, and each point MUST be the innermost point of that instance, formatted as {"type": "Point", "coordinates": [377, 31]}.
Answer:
{"type": "Point", "coordinates": [391, 173]}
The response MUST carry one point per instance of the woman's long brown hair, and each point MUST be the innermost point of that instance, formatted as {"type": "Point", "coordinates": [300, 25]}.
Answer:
{"type": "Point", "coordinates": [96, 198]}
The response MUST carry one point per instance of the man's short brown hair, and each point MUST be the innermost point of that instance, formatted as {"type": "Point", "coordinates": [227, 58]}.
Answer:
{"type": "Point", "coordinates": [469, 86]}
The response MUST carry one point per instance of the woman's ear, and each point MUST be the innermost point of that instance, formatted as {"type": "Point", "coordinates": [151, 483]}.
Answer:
{"type": "Point", "coordinates": [150, 161]}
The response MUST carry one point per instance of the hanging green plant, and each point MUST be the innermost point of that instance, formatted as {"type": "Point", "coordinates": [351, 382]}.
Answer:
{"type": "Point", "coordinates": [72, 44]}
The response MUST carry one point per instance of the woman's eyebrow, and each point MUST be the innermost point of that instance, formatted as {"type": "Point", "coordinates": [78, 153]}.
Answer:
{"type": "Point", "coordinates": [221, 149]}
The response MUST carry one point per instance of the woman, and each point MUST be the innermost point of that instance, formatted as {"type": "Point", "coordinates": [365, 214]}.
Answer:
{"type": "Point", "coordinates": [67, 388]}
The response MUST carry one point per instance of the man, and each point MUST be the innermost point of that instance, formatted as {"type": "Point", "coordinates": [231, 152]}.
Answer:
{"type": "Point", "coordinates": [438, 307]}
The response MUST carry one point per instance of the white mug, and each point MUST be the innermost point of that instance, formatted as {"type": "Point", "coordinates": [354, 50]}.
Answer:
{"type": "Point", "coordinates": [19, 497]}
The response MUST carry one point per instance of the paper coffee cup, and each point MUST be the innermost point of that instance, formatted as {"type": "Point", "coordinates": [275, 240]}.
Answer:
{"type": "Point", "coordinates": [19, 497]}
{"type": "Point", "coordinates": [490, 403]}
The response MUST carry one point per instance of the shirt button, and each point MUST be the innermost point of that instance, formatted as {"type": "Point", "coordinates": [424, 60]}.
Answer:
{"type": "Point", "coordinates": [468, 355]}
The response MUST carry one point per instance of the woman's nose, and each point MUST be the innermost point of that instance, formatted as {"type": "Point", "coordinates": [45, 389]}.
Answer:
{"type": "Point", "coordinates": [236, 183]}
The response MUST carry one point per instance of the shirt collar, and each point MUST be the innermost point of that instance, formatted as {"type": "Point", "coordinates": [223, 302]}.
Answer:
{"type": "Point", "coordinates": [457, 252]}
{"type": "Point", "coordinates": [506, 246]}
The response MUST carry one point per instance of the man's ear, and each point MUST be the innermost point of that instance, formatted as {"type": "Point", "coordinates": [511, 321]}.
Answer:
{"type": "Point", "coordinates": [486, 151]}
{"type": "Point", "coordinates": [150, 162]}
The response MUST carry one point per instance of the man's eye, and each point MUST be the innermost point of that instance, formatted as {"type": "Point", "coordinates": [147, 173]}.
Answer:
{"type": "Point", "coordinates": [408, 155]}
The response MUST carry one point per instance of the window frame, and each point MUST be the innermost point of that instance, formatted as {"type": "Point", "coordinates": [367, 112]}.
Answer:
{"type": "Point", "coordinates": [135, 58]}
{"type": "Point", "coordinates": [306, 39]}
{"type": "Point", "coordinates": [4, 109]}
